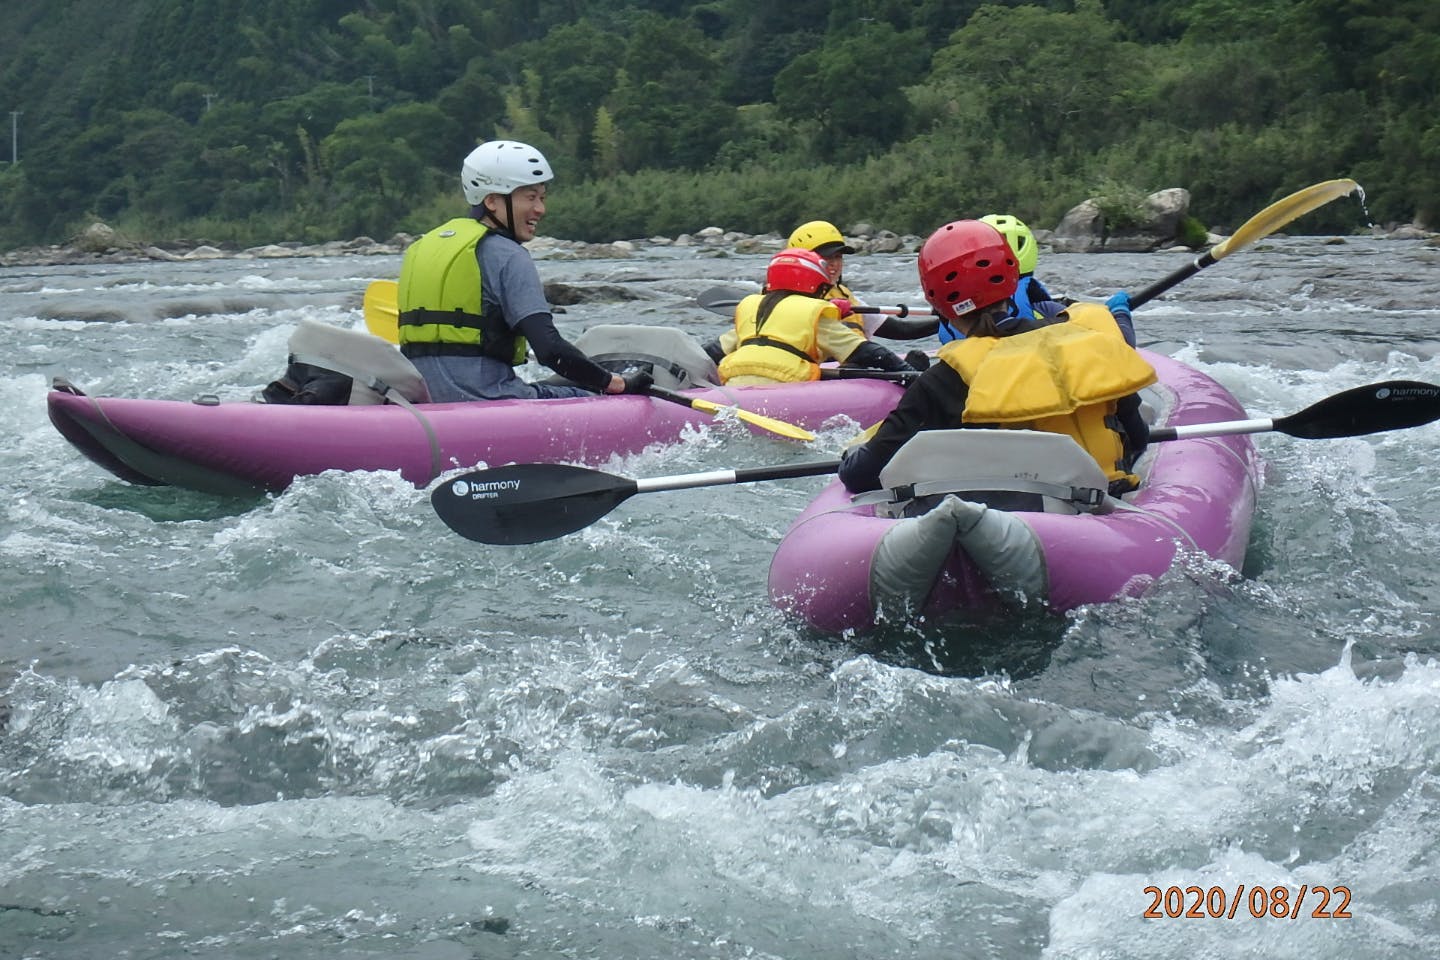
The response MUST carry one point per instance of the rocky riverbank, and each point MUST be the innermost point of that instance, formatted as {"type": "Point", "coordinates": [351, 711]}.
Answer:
{"type": "Point", "coordinates": [99, 243]}
{"type": "Point", "coordinates": [1082, 230]}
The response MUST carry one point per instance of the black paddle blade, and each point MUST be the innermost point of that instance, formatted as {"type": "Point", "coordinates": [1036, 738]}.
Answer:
{"type": "Point", "coordinates": [1392, 405]}
{"type": "Point", "coordinates": [527, 502]}
{"type": "Point", "coordinates": [722, 300]}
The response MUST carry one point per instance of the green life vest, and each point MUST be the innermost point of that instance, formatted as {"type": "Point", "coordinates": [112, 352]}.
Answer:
{"type": "Point", "coordinates": [440, 305]}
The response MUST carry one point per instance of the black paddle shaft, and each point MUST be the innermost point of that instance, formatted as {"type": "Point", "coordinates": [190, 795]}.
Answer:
{"type": "Point", "coordinates": [1165, 283]}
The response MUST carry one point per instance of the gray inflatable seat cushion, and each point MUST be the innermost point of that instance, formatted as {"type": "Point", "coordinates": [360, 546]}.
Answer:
{"type": "Point", "coordinates": [376, 366]}
{"type": "Point", "coordinates": [673, 357]}
{"type": "Point", "coordinates": [1052, 467]}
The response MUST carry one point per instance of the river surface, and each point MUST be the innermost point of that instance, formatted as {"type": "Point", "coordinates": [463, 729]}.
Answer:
{"type": "Point", "coordinates": [319, 724]}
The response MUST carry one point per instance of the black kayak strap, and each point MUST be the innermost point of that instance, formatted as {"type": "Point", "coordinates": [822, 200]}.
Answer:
{"type": "Point", "coordinates": [1090, 498]}
{"type": "Point", "coordinates": [781, 344]}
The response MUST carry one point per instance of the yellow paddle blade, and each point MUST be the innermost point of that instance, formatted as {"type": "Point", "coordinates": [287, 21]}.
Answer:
{"type": "Point", "coordinates": [382, 309]}
{"type": "Point", "coordinates": [1281, 212]}
{"type": "Point", "coordinates": [778, 427]}
{"type": "Point", "coordinates": [864, 437]}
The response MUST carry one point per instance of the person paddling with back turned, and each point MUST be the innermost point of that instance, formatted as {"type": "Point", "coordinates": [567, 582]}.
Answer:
{"type": "Point", "coordinates": [1074, 374]}
{"type": "Point", "coordinates": [471, 300]}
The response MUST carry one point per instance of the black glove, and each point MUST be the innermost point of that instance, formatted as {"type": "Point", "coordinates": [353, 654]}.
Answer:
{"type": "Point", "coordinates": [713, 349]}
{"type": "Point", "coordinates": [871, 354]}
{"type": "Point", "coordinates": [638, 381]}
{"type": "Point", "coordinates": [918, 359]}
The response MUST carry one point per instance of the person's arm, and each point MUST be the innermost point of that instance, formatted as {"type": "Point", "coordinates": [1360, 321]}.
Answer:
{"type": "Point", "coordinates": [722, 346]}
{"type": "Point", "coordinates": [562, 356]}
{"type": "Point", "coordinates": [1119, 307]}
{"type": "Point", "coordinates": [873, 356]}
{"type": "Point", "coordinates": [513, 284]}
{"type": "Point", "coordinates": [935, 400]}
{"type": "Point", "coordinates": [898, 328]}
{"type": "Point", "coordinates": [837, 341]}
{"type": "Point", "coordinates": [1133, 426]}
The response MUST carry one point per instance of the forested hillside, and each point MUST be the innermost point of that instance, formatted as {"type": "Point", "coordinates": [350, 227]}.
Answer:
{"type": "Point", "coordinates": [249, 121]}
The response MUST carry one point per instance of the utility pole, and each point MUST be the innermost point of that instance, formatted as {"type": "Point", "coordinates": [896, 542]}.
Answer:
{"type": "Point", "coordinates": [15, 115]}
{"type": "Point", "coordinates": [370, 87]}
{"type": "Point", "coordinates": [208, 98]}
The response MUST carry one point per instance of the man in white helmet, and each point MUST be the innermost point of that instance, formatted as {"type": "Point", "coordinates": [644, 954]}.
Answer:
{"type": "Point", "coordinates": [471, 300]}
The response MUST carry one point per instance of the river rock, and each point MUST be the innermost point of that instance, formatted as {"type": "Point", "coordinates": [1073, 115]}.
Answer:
{"type": "Point", "coordinates": [271, 251]}
{"type": "Point", "coordinates": [766, 244]}
{"type": "Point", "coordinates": [568, 294]}
{"type": "Point", "coordinates": [1084, 228]}
{"type": "Point", "coordinates": [885, 242]}
{"type": "Point", "coordinates": [97, 238]}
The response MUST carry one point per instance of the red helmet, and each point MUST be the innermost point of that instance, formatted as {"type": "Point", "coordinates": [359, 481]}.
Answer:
{"type": "Point", "coordinates": [966, 265]}
{"type": "Point", "coordinates": [797, 269]}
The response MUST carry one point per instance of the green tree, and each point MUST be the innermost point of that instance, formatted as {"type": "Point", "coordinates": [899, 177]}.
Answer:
{"type": "Point", "coordinates": [1036, 93]}
{"type": "Point", "coordinates": [374, 171]}
{"type": "Point", "coordinates": [847, 87]}
{"type": "Point", "coordinates": [665, 103]}
{"type": "Point", "coordinates": [606, 144]}
{"type": "Point", "coordinates": [575, 68]}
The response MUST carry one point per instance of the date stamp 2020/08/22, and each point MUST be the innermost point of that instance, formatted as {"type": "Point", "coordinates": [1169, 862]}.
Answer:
{"type": "Point", "coordinates": [1220, 903]}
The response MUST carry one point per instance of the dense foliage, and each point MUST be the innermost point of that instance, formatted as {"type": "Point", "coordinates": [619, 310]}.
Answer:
{"type": "Point", "coordinates": [248, 121]}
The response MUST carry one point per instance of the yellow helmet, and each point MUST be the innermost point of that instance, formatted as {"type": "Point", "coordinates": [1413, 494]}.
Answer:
{"type": "Point", "coordinates": [820, 236]}
{"type": "Point", "coordinates": [1021, 240]}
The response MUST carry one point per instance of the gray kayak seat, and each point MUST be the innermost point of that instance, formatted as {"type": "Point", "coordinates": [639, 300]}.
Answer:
{"type": "Point", "coordinates": [674, 358]}
{"type": "Point", "coordinates": [381, 373]}
{"type": "Point", "coordinates": [378, 371]}
{"type": "Point", "coordinates": [1011, 469]}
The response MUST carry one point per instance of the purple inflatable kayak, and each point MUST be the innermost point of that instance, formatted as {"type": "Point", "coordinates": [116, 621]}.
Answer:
{"type": "Point", "coordinates": [242, 449]}
{"type": "Point", "coordinates": [843, 566]}
{"type": "Point", "coordinates": [239, 448]}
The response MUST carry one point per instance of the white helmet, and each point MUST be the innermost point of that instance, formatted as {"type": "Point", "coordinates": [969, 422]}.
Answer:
{"type": "Point", "coordinates": [502, 166]}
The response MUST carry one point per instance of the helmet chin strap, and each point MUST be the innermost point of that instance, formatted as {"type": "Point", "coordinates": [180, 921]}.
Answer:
{"type": "Point", "coordinates": [507, 228]}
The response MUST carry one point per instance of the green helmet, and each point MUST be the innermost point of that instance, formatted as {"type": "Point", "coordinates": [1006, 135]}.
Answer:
{"type": "Point", "coordinates": [1021, 240]}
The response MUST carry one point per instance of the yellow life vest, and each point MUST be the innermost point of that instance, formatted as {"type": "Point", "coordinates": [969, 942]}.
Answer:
{"type": "Point", "coordinates": [1061, 378]}
{"type": "Point", "coordinates": [439, 299]}
{"type": "Point", "coordinates": [780, 346]}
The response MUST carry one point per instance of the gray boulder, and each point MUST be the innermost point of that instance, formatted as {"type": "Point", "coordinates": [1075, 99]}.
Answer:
{"type": "Point", "coordinates": [1150, 226]}
{"type": "Point", "coordinates": [97, 238]}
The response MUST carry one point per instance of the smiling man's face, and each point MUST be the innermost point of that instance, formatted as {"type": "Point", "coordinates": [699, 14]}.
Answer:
{"type": "Point", "coordinates": [528, 204]}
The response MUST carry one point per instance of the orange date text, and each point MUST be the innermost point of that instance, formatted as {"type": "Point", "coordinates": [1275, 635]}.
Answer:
{"type": "Point", "coordinates": [1223, 903]}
